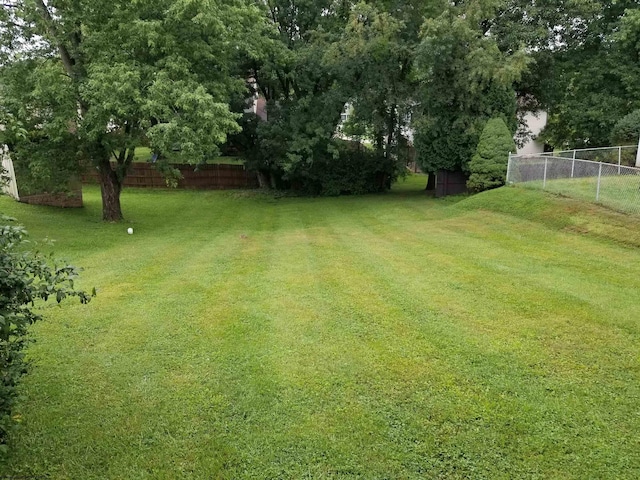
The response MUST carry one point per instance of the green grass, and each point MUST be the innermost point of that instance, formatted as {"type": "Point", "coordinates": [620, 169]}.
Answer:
{"type": "Point", "coordinates": [143, 155]}
{"type": "Point", "coordinates": [393, 336]}
{"type": "Point", "coordinates": [620, 192]}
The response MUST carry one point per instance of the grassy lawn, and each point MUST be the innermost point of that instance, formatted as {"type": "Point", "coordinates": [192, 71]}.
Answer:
{"type": "Point", "coordinates": [393, 336]}
{"type": "Point", "coordinates": [620, 192]}
{"type": "Point", "coordinates": [143, 154]}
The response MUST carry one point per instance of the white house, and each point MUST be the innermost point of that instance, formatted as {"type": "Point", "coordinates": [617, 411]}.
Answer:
{"type": "Point", "coordinates": [535, 122]}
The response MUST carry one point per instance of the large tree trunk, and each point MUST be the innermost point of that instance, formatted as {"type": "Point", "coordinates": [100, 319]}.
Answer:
{"type": "Point", "coordinates": [431, 182]}
{"type": "Point", "coordinates": [110, 187]}
{"type": "Point", "coordinates": [391, 131]}
{"type": "Point", "coordinates": [264, 179]}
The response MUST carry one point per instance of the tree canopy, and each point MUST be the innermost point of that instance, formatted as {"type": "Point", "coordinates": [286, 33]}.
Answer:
{"type": "Point", "coordinates": [586, 69]}
{"type": "Point", "coordinates": [88, 82]}
{"type": "Point", "coordinates": [119, 74]}
{"type": "Point", "coordinates": [465, 78]}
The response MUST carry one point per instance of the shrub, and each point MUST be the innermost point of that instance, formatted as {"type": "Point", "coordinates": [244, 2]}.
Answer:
{"type": "Point", "coordinates": [315, 165]}
{"type": "Point", "coordinates": [350, 168]}
{"type": "Point", "coordinates": [488, 165]}
{"type": "Point", "coordinates": [25, 277]}
{"type": "Point", "coordinates": [627, 130]}
{"type": "Point", "coordinates": [4, 176]}
{"type": "Point", "coordinates": [46, 165]}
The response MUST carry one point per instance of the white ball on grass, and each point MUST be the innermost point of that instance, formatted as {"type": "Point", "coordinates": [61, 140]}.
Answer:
{"type": "Point", "coordinates": [130, 231]}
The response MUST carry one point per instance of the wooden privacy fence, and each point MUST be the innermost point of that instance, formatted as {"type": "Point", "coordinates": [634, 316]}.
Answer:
{"type": "Point", "coordinates": [451, 183]}
{"type": "Point", "coordinates": [206, 177]}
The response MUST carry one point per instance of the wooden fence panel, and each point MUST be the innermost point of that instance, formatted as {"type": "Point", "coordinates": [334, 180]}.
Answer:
{"type": "Point", "coordinates": [451, 183]}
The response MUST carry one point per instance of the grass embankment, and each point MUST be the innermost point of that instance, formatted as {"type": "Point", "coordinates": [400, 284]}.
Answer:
{"type": "Point", "coordinates": [391, 336]}
{"type": "Point", "coordinates": [619, 192]}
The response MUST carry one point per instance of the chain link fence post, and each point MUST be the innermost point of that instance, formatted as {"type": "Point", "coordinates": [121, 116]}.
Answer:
{"type": "Point", "coordinates": [619, 158]}
{"type": "Point", "coordinates": [617, 186]}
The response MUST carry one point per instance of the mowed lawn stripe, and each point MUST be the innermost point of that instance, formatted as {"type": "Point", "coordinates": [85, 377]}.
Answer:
{"type": "Point", "coordinates": [396, 336]}
{"type": "Point", "coordinates": [603, 354]}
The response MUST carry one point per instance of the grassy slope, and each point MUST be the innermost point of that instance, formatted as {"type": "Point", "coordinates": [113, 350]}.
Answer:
{"type": "Point", "coordinates": [621, 193]}
{"type": "Point", "coordinates": [393, 336]}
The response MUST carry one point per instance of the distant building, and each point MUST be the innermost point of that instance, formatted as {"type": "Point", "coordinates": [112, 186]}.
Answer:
{"type": "Point", "coordinates": [535, 122]}
{"type": "Point", "coordinates": [257, 103]}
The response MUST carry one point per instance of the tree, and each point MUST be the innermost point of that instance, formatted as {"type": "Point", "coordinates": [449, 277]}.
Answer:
{"type": "Point", "coordinates": [24, 278]}
{"type": "Point", "coordinates": [327, 55]}
{"type": "Point", "coordinates": [124, 74]}
{"type": "Point", "coordinates": [465, 79]}
{"type": "Point", "coordinates": [303, 101]}
{"type": "Point", "coordinates": [373, 60]}
{"type": "Point", "coordinates": [45, 151]}
{"type": "Point", "coordinates": [585, 75]}
{"type": "Point", "coordinates": [627, 130]}
{"type": "Point", "coordinates": [488, 166]}
{"type": "Point", "coordinates": [627, 40]}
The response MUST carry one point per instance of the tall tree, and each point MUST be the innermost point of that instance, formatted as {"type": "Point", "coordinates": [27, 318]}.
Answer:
{"type": "Point", "coordinates": [581, 69]}
{"type": "Point", "coordinates": [122, 74]}
{"type": "Point", "coordinates": [373, 59]}
{"type": "Point", "coordinates": [304, 104]}
{"type": "Point", "coordinates": [330, 54]}
{"type": "Point", "coordinates": [465, 79]}
{"type": "Point", "coordinates": [627, 40]}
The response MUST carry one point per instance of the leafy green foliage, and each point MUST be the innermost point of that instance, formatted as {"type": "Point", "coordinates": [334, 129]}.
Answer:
{"type": "Point", "coordinates": [488, 165]}
{"type": "Point", "coordinates": [592, 99]}
{"type": "Point", "coordinates": [627, 41]}
{"type": "Point", "coordinates": [37, 103]}
{"type": "Point", "coordinates": [4, 177]}
{"type": "Point", "coordinates": [587, 68]}
{"type": "Point", "coordinates": [313, 165]}
{"type": "Point", "coordinates": [25, 277]}
{"type": "Point", "coordinates": [325, 56]}
{"type": "Point", "coordinates": [119, 75]}
{"type": "Point", "coordinates": [372, 60]}
{"type": "Point", "coordinates": [465, 79]}
{"type": "Point", "coordinates": [627, 129]}
{"type": "Point", "coordinates": [350, 169]}
{"type": "Point", "coordinates": [303, 101]}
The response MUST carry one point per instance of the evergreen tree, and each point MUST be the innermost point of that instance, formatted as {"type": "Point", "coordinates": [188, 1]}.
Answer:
{"type": "Point", "coordinates": [465, 78]}
{"type": "Point", "coordinates": [488, 165]}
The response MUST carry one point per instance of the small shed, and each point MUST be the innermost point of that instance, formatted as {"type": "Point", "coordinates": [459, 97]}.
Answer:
{"type": "Point", "coordinates": [451, 182]}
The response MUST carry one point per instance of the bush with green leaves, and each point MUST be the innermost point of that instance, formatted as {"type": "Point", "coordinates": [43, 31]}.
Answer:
{"type": "Point", "coordinates": [55, 169]}
{"type": "Point", "coordinates": [349, 168]}
{"type": "Point", "coordinates": [488, 165]}
{"type": "Point", "coordinates": [312, 162]}
{"type": "Point", "coordinates": [4, 177]}
{"type": "Point", "coordinates": [26, 277]}
{"type": "Point", "coordinates": [627, 130]}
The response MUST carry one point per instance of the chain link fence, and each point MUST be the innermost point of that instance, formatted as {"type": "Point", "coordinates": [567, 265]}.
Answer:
{"type": "Point", "coordinates": [624, 155]}
{"type": "Point", "coordinates": [613, 185]}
